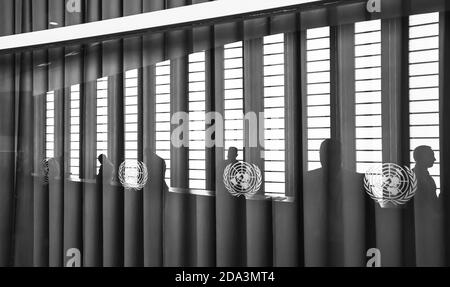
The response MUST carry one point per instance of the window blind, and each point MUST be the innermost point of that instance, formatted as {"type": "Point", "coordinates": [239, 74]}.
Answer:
{"type": "Point", "coordinates": [424, 86]}
{"type": "Point", "coordinates": [197, 122]}
{"type": "Point", "coordinates": [102, 118]}
{"type": "Point", "coordinates": [368, 106]}
{"type": "Point", "coordinates": [74, 166]}
{"type": "Point", "coordinates": [318, 92]}
{"type": "Point", "coordinates": [131, 115]}
{"type": "Point", "coordinates": [50, 125]}
{"type": "Point", "coordinates": [234, 98]}
{"type": "Point", "coordinates": [162, 114]}
{"type": "Point", "coordinates": [274, 116]}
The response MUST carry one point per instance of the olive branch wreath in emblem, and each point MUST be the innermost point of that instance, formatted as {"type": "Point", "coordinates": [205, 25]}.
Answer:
{"type": "Point", "coordinates": [133, 174]}
{"type": "Point", "coordinates": [242, 178]}
{"type": "Point", "coordinates": [390, 183]}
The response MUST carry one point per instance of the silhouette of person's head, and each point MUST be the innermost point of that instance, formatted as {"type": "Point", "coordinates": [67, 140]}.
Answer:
{"type": "Point", "coordinates": [330, 154]}
{"type": "Point", "coordinates": [232, 153]}
{"type": "Point", "coordinates": [101, 158]}
{"type": "Point", "coordinates": [424, 156]}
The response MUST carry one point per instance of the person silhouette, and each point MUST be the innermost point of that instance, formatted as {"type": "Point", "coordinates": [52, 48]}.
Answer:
{"type": "Point", "coordinates": [231, 156]}
{"type": "Point", "coordinates": [425, 159]}
{"type": "Point", "coordinates": [106, 170]}
{"type": "Point", "coordinates": [428, 211]}
{"type": "Point", "coordinates": [325, 210]}
{"type": "Point", "coordinates": [157, 170]}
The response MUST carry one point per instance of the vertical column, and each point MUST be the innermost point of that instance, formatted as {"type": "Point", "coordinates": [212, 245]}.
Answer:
{"type": "Point", "coordinates": [40, 216]}
{"type": "Point", "coordinates": [444, 82]}
{"type": "Point", "coordinates": [93, 103]}
{"type": "Point", "coordinates": [113, 208]}
{"type": "Point", "coordinates": [56, 167]}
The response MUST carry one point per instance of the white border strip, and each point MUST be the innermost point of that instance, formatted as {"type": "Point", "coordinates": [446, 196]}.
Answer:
{"type": "Point", "coordinates": [146, 21]}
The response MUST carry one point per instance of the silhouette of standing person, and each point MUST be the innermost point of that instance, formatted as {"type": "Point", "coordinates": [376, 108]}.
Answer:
{"type": "Point", "coordinates": [155, 209]}
{"type": "Point", "coordinates": [323, 207]}
{"type": "Point", "coordinates": [428, 212]}
{"type": "Point", "coordinates": [106, 171]}
{"type": "Point", "coordinates": [230, 220]}
{"type": "Point", "coordinates": [157, 171]}
{"type": "Point", "coordinates": [325, 211]}
{"type": "Point", "coordinates": [232, 156]}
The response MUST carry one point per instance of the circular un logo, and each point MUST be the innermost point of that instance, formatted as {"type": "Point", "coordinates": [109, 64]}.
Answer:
{"type": "Point", "coordinates": [242, 178]}
{"type": "Point", "coordinates": [133, 174]}
{"type": "Point", "coordinates": [390, 183]}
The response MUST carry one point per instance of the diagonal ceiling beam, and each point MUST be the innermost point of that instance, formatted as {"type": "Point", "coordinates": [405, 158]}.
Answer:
{"type": "Point", "coordinates": [198, 14]}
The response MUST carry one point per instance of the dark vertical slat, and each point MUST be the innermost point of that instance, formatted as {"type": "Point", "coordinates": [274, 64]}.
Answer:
{"type": "Point", "coordinates": [133, 233]}
{"type": "Point", "coordinates": [92, 200]}
{"type": "Point", "coordinates": [287, 243]}
{"type": "Point", "coordinates": [73, 194]}
{"type": "Point", "coordinates": [206, 236]}
{"type": "Point", "coordinates": [92, 184]}
{"type": "Point", "coordinates": [287, 23]}
{"type": "Point", "coordinates": [259, 236]}
{"type": "Point", "coordinates": [113, 213]}
{"type": "Point", "coordinates": [445, 121]}
{"type": "Point", "coordinates": [180, 225]}
{"type": "Point", "coordinates": [23, 244]}
{"type": "Point", "coordinates": [227, 33]}
{"type": "Point", "coordinates": [153, 192]}
{"type": "Point", "coordinates": [409, 255]}
{"type": "Point", "coordinates": [206, 217]}
{"type": "Point", "coordinates": [178, 41]}
{"type": "Point", "coordinates": [303, 139]}
{"type": "Point", "coordinates": [40, 248]}
{"type": "Point", "coordinates": [153, 43]}
{"type": "Point", "coordinates": [331, 236]}
{"type": "Point", "coordinates": [56, 169]}
{"type": "Point", "coordinates": [256, 28]}
{"type": "Point", "coordinates": [258, 212]}
{"type": "Point", "coordinates": [23, 218]}
{"type": "Point", "coordinates": [7, 123]}
{"type": "Point", "coordinates": [343, 91]}
{"type": "Point", "coordinates": [201, 36]}
{"type": "Point", "coordinates": [41, 220]}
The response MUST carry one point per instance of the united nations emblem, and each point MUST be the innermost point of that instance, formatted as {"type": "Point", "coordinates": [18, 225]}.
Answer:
{"type": "Point", "coordinates": [133, 174]}
{"type": "Point", "coordinates": [390, 184]}
{"type": "Point", "coordinates": [242, 178]}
